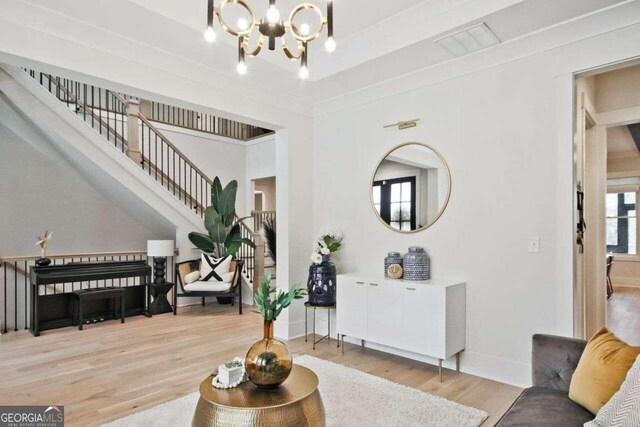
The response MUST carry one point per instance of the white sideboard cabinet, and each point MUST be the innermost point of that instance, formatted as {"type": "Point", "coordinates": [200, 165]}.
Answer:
{"type": "Point", "coordinates": [426, 317]}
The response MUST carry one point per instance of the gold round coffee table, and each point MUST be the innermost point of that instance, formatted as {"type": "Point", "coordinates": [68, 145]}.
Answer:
{"type": "Point", "coordinates": [296, 402]}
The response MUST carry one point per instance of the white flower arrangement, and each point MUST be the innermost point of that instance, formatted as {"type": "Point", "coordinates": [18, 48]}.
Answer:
{"type": "Point", "coordinates": [316, 258]}
{"type": "Point", "coordinates": [327, 243]}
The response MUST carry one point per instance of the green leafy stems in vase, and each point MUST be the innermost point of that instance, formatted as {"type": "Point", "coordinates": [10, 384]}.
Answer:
{"type": "Point", "coordinates": [328, 242]}
{"type": "Point", "coordinates": [269, 361]}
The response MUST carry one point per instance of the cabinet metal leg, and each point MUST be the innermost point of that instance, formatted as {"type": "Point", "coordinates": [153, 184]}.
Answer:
{"type": "Point", "coordinates": [343, 344]}
{"type": "Point", "coordinates": [440, 369]}
{"type": "Point", "coordinates": [458, 361]}
{"type": "Point", "coordinates": [328, 325]}
{"type": "Point", "coordinates": [362, 343]}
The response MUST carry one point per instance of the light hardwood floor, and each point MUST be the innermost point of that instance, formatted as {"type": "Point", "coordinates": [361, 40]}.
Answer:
{"type": "Point", "coordinates": [623, 314]}
{"type": "Point", "coordinates": [110, 370]}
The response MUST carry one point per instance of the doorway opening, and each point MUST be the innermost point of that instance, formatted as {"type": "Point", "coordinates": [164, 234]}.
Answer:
{"type": "Point", "coordinates": [264, 218]}
{"type": "Point", "coordinates": [607, 160]}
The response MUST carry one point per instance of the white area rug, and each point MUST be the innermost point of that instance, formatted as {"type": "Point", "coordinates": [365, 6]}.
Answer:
{"type": "Point", "coordinates": [350, 397]}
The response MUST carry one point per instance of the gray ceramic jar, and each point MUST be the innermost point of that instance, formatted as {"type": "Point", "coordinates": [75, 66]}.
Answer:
{"type": "Point", "coordinates": [416, 264]}
{"type": "Point", "coordinates": [392, 258]}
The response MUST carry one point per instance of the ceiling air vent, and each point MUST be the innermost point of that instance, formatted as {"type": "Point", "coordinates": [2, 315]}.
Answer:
{"type": "Point", "coordinates": [469, 40]}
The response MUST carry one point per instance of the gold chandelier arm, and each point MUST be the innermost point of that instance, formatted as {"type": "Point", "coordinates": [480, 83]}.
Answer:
{"type": "Point", "coordinates": [295, 32]}
{"type": "Point", "coordinates": [288, 53]}
{"type": "Point", "coordinates": [258, 48]}
{"type": "Point", "coordinates": [252, 20]}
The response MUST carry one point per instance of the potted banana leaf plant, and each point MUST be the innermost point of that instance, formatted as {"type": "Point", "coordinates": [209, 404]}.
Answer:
{"type": "Point", "coordinates": [224, 236]}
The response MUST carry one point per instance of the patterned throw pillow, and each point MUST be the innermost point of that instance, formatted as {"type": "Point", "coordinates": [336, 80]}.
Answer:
{"type": "Point", "coordinates": [214, 269]}
{"type": "Point", "coordinates": [623, 409]}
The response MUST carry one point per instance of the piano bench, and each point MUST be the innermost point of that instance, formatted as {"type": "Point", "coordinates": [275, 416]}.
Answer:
{"type": "Point", "coordinates": [82, 295]}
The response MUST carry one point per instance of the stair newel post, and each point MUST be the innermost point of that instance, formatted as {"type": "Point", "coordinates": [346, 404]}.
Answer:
{"type": "Point", "coordinates": [133, 137]}
{"type": "Point", "coordinates": [258, 272]}
{"type": "Point", "coordinates": [146, 109]}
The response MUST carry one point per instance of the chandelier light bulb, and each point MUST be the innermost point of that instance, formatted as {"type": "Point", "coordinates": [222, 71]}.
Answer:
{"type": "Point", "coordinates": [304, 72]}
{"type": "Point", "coordinates": [330, 45]}
{"type": "Point", "coordinates": [243, 24]}
{"type": "Point", "coordinates": [209, 35]}
{"type": "Point", "coordinates": [242, 68]}
{"type": "Point", "coordinates": [304, 29]}
{"type": "Point", "coordinates": [273, 14]}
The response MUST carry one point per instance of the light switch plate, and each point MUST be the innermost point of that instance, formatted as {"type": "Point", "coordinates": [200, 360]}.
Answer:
{"type": "Point", "coordinates": [534, 245]}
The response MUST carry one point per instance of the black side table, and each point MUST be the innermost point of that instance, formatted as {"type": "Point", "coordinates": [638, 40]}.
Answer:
{"type": "Point", "coordinates": [160, 303]}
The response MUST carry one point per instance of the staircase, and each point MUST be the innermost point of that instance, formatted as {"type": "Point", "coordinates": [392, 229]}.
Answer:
{"type": "Point", "coordinates": [120, 121]}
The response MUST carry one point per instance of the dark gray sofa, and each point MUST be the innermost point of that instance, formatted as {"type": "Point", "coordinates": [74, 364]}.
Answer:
{"type": "Point", "coordinates": [547, 403]}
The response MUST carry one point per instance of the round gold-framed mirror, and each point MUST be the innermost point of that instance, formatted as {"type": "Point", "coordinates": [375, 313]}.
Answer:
{"type": "Point", "coordinates": [410, 187]}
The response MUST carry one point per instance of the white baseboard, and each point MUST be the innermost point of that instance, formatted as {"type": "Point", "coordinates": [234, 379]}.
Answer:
{"type": "Point", "coordinates": [481, 365]}
{"type": "Point", "coordinates": [471, 362]}
{"type": "Point", "coordinates": [296, 329]}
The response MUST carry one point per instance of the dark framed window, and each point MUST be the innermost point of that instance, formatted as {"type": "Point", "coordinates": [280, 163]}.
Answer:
{"type": "Point", "coordinates": [621, 223]}
{"type": "Point", "coordinates": [395, 201]}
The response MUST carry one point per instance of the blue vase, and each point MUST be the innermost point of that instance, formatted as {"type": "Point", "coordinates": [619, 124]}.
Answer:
{"type": "Point", "coordinates": [321, 285]}
{"type": "Point", "coordinates": [416, 264]}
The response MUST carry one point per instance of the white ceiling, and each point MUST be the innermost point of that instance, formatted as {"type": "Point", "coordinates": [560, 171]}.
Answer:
{"type": "Point", "coordinates": [377, 40]}
{"type": "Point", "coordinates": [351, 16]}
{"type": "Point", "coordinates": [367, 30]}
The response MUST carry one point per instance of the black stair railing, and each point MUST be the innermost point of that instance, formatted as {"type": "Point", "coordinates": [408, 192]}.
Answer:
{"type": "Point", "coordinates": [110, 113]}
{"type": "Point", "coordinates": [15, 292]}
{"type": "Point", "coordinates": [203, 122]}
{"type": "Point", "coordinates": [101, 108]}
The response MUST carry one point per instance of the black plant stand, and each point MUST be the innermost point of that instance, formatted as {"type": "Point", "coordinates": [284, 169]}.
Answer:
{"type": "Point", "coordinates": [307, 306]}
{"type": "Point", "coordinates": [160, 303]}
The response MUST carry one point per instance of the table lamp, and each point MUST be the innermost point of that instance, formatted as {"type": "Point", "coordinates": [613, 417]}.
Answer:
{"type": "Point", "coordinates": [160, 250]}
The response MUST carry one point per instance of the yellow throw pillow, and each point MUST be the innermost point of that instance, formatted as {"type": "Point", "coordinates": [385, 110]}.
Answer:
{"type": "Point", "coordinates": [601, 370]}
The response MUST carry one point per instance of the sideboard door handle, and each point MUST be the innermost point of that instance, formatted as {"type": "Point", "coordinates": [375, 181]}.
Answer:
{"type": "Point", "coordinates": [411, 289]}
{"type": "Point", "coordinates": [360, 283]}
{"type": "Point", "coordinates": [373, 284]}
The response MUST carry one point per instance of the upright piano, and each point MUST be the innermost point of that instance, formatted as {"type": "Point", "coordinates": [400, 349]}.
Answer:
{"type": "Point", "coordinates": [52, 287]}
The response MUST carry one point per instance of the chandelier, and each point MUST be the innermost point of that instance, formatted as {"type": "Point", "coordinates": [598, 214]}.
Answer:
{"type": "Point", "coordinates": [271, 27]}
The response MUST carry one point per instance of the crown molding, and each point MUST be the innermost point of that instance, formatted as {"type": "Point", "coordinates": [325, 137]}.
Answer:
{"type": "Point", "coordinates": [423, 21]}
{"type": "Point", "coordinates": [622, 16]}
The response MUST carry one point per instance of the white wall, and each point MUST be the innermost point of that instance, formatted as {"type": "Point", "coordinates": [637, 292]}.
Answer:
{"type": "Point", "coordinates": [267, 186]}
{"type": "Point", "coordinates": [41, 191]}
{"type": "Point", "coordinates": [618, 89]}
{"type": "Point", "coordinates": [261, 163]}
{"type": "Point", "coordinates": [261, 158]}
{"type": "Point", "coordinates": [505, 132]}
{"type": "Point", "coordinates": [215, 157]}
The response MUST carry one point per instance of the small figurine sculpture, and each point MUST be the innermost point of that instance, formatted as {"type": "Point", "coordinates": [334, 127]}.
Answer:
{"type": "Point", "coordinates": [43, 242]}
